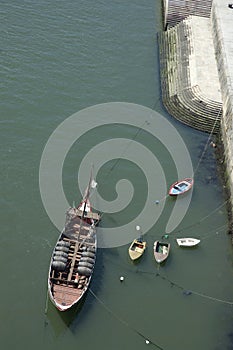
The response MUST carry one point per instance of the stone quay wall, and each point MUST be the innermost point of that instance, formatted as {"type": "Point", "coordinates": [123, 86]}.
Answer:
{"type": "Point", "coordinates": [196, 63]}
{"type": "Point", "coordinates": [189, 76]}
{"type": "Point", "coordinates": [222, 29]}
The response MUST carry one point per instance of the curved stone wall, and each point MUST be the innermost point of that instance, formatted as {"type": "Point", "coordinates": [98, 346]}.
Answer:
{"type": "Point", "coordinates": [189, 77]}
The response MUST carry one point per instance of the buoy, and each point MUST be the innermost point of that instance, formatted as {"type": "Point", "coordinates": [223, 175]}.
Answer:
{"type": "Point", "coordinates": [187, 292]}
{"type": "Point", "coordinates": [213, 144]}
{"type": "Point", "coordinates": [147, 341]}
{"type": "Point", "coordinates": [121, 278]}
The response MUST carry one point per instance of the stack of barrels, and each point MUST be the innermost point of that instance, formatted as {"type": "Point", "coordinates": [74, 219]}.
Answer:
{"type": "Point", "coordinates": [60, 256]}
{"type": "Point", "coordinates": [87, 261]}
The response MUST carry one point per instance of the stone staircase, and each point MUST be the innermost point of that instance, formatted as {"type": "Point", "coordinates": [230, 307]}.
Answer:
{"type": "Point", "coordinates": [183, 100]}
{"type": "Point", "coordinates": [178, 10]}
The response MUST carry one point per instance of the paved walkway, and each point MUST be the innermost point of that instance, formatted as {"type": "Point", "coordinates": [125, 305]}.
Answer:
{"type": "Point", "coordinates": [222, 19]}
{"type": "Point", "coordinates": [203, 67]}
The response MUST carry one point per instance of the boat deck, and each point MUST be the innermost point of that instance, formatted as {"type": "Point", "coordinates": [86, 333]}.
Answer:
{"type": "Point", "coordinates": [75, 253]}
{"type": "Point", "coordinates": [65, 295]}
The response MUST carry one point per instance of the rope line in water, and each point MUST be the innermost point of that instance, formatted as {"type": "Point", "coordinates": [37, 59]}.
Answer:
{"type": "Point", "coordinates": [139, 129]}
{"type": "Point", "coordinates": [216, 231]}
{"type": "Point", "coordinates": [187, 227]}
{"type": "Point", "coordinates": [189, 291]}
{"type": "Point", "coordinates": [130, 141]}
{"type": "Point", "coordinates": [158, 274]}
{"type": "Point", "coordinates": [125, 323]}
{"type": "Point", "coordinates": [207, 143]}
{"type": "Point", "coordinates": [204, 150]}
{"type": "Point", "coordinates": [202, 219]}
{"type": "Point", "coordinates": [127, 147]}
{"type": "Point", "coordinates": [167, 195]}
{"type": "Point", "coordinates": [145, 338]}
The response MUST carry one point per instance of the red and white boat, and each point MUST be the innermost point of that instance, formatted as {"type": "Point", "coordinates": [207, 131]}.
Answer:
{"type": "Point", "coordinates": [73, 258]}
{"type": "Point", "coordinates": [180, 187]}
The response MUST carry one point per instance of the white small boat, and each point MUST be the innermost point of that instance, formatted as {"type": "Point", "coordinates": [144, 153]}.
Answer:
{"type": "Point", "coordinates": [137, 248]}
{"type": "Point", "coordinates": [187, 242]}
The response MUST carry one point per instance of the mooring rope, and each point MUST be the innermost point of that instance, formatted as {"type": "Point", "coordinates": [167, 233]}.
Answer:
{"type": "Point", "coordinates": [202, 219]}
{"type": "Point", "coordinates": [157, 273]}
{"type": "Point", "coordinates": [216, 231]}
{"type": "Point", "coordinates": [46, 302]}
{"type": "Point", "coordinates": [185, 290]}
{"type": "Point", "coordinates": [207, 143]}
{"type": "Point", "coordinates": [139, 129]}
{"type": "Point", "coordinates": [125, 323]}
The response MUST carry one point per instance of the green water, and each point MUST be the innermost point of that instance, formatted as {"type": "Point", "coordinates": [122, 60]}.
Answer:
{"type": "Point", "coordinates": [56, 59]}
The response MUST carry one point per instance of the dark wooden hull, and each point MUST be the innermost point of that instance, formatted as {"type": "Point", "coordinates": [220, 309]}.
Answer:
{"type": "Point", "coordinates": [73, 260]}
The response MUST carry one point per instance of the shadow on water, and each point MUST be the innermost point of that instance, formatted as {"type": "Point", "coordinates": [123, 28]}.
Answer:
{"type": "Point", "coordinates": [207, 157]}
{"type": "Point", "coordinates": [230, 336]}
{"type": "Point", "coordinates": [95, 286]}
{"type": "Point", "coordinates": [60, 321]}
{"type": "Point", "coordinates": [136, 262]}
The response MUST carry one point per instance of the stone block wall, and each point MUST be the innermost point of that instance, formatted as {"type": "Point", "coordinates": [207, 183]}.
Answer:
{"type": "Point", "coordinates": [189, 78]}
{"type": "Point", "coordinates": [221, 19]}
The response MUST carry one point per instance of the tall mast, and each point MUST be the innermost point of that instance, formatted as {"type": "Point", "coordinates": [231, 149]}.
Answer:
{"type": "Point", "coordinates": [87, 192]}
